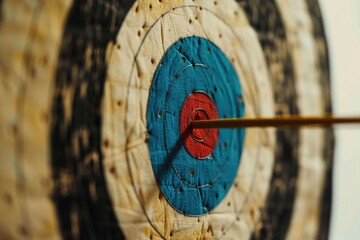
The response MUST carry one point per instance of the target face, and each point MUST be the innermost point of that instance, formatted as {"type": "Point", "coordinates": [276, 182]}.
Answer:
{"type": "Point", "coordinates": [97, 98]}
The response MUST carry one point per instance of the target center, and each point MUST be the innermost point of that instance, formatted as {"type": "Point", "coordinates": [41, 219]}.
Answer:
{"type": "Point", "coordinates": [198, 142]}
{"type": "Point", "coordinates": [199, 134]}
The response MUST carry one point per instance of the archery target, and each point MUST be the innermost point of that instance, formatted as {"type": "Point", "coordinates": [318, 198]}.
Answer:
{"type": "Point", "coordinates": [188, 192]}
{"type": "Point", "coordinates": [90, 115]}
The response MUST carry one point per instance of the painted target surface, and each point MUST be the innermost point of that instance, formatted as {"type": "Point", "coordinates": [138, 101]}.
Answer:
{"type": "Point", "coordinates": [96, 101]}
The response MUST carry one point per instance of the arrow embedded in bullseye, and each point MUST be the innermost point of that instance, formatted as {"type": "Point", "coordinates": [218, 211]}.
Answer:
{"type": "Point", "coordinates": [279, 121]}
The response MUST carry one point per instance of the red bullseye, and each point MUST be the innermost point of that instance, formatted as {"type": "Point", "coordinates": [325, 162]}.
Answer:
{"type": "Point", "coordinates": [199, 134]}
{"type": "Point", "coordinates": [198, 142]}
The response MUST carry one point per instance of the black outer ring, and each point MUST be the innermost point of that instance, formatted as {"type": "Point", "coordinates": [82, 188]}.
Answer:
{"type": "Point", "coordinates": [94, 24]}
{"type": "Point", "coordinates": [277, 212]}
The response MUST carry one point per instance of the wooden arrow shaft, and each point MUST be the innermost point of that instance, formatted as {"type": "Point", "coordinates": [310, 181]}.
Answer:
{"type": "Point", "coordinates": [280, 121]}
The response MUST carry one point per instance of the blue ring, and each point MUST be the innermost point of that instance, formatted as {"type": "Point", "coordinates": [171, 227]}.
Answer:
{"type": "Point", "coordinates": [192, 186]}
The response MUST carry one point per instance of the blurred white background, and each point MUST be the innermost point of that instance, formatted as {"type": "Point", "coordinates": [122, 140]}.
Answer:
{"type": "Point", "coordinates": [342, 23]}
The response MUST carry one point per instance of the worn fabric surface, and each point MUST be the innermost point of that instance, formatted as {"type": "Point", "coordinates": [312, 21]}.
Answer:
{"type": "Point", "coordinates": [75, 79]}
